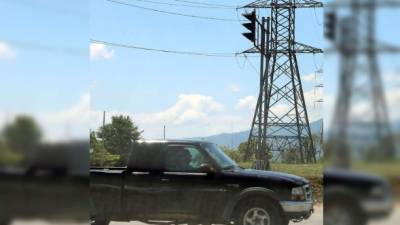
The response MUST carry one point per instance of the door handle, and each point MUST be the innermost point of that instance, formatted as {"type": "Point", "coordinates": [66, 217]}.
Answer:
{"type": "Point", "coordinates": [164, 179]}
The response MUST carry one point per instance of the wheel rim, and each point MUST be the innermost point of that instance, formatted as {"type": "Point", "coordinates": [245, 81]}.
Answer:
{"type": "Point", "coordinates": [256, 216]}
{"type": "Point", "coordinates": [337, 215]}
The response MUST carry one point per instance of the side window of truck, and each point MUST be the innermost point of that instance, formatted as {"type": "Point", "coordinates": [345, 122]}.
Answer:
{"type": "Point", "coordinates": [183, 158]}
{"type": "Point", "coordinates": [147, 157]}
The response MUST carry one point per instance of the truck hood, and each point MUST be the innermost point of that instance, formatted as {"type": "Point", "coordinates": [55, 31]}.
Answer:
{"type": "Point", "coordinates": [337, 176]}
{"type": "Point", "coordinates": [275, 176]}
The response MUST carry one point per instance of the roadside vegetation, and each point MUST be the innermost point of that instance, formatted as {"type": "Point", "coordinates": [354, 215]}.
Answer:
{"type": "Point", "coordinates": [110, 144]}
{"type": "Point", "coordinates": [17, 141]}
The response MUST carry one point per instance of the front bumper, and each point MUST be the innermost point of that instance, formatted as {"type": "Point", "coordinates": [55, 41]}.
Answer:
{"type": "Point", "coordinates": [297, 207]}
{"type": "Point", "coordinates": [377, 208]}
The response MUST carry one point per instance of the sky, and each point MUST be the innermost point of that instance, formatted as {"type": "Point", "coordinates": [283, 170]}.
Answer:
{"type": "Point", "coordinates": [50, 69]}
{"type": "Point", "coordinates": [191, 95]}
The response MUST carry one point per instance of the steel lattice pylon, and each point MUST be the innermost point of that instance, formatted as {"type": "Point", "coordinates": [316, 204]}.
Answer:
{"type": "Point", "coordinates": [280, 120]}
{"type": "Point", "coordinates": [358, 51]}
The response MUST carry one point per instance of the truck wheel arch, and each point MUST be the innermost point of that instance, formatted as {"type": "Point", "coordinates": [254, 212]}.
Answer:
{"type": "Point", "coordinates": [246, 194]}
{"type": "Point", "coordinates": [346, 198]}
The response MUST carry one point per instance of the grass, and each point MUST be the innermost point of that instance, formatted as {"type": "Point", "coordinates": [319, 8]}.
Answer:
{"type": "Point", "coordinates": [303, 170]}
{"type": "Point", "coordinates": [388, 169]}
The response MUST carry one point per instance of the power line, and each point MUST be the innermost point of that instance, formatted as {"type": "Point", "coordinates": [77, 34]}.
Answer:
{"type": "Point", "coordinates": [226, 55]}
{"type": "Point", "coordinates": [26, 45]}
{"type": "Point", "coordinates": [172, 13]}
{"type": "Point", "coordinates": [184, 5]}
{"type": "Point", "coordinates": [209, 4]}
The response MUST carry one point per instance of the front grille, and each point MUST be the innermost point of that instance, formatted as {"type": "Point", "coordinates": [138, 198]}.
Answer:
{"type": "Point", "coordinates": [308, 192]}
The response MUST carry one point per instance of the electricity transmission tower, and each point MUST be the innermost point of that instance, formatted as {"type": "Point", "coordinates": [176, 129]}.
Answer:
{"type": "Point", "coordinates": [355, 39]}
{"type": "Point", "coordinates": [280, 121]}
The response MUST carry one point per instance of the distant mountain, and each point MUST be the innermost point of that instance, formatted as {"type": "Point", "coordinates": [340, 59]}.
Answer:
{"type": "Point", "coordinates": [234, 139]}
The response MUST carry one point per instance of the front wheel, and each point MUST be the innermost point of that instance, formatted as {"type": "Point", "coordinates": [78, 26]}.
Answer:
{"type": "Point", "coordinates": [99, 222]}
{"type": "Point", "coordinates": [343, 213]}
{"type": "Point", "coordinates": [256, 212]}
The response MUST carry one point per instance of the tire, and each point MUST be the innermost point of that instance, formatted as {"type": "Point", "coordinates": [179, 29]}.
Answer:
{"type": "Point", "coordinates": [258, 212]}
{"type": "Point", "coordinates": [5, 221]}
{"type": "Point", "coordinates": [343, 212]}
{"type": "Point", "coordinates": [100, 222]}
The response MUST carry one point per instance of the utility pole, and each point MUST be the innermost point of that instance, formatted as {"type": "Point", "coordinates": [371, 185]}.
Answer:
{"type": "Point", "coordinates": [104, 118]}
{"type": "Point", "coordinates": [164, 132]}
{"type": "Point", "coordinates": [272, 133]}
{"type": "Point", "coordinates": [354, 37]}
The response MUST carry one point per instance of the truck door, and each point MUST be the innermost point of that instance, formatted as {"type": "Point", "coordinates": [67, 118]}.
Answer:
{"type": "Point", "coordinates": [141, 191]}
{"type": "Point", "coordinates": [191, 190]}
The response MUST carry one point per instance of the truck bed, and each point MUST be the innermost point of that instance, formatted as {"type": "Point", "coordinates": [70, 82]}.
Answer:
{"type": "Point", "coordinates": [106, 188]}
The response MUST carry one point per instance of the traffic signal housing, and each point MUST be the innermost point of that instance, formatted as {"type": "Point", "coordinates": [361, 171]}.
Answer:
{"type": "Point", "coordinates": [330, 25]}
{"type": "Point", "coordinates": [250, 26]}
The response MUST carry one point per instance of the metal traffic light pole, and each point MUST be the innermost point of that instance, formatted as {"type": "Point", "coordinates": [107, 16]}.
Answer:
{"type": "Point", "coordinates": [262, 44]}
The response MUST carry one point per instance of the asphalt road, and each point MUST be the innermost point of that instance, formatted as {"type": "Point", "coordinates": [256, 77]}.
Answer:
{"type": "Point", "coordinates": [315, 219]}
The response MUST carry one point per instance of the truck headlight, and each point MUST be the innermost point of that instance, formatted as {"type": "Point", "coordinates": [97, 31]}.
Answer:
{"type": "Point", "coordinates": [298, 194]}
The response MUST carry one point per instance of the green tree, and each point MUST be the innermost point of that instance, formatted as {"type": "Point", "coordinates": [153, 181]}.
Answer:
{"type": "Point", "coordinates": [8, 157]}
{"type": "Point", "coordinates": [242, 151]}
{"type": "Point", "coordinates": [118, 136]}
{"type": "Point", "coordinates": [232, 153]}
{"type": "Point", "coordinates": [22, 135]}
{"type": "Point", "coordinates": [99, 156]}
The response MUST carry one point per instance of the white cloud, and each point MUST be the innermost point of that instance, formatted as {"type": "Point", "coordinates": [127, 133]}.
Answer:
{"type": "Point", "coordinates": [191, 115]}
{"type": "Point", "coordinates": [392, 78]}
{"type": "Point", "coordinates": [314, 108]}
{"type": "Point", "coordinates": [188, 108]}
{"type": "Point", "coordinates": [248, 102]}
{"type": "Point", "coordinates": [309, 77]}
{"type": "Point", "coordinates": [72, 122]}
{"type": "Point", "coordinates": [100, 51]}
{"type": "Point", "coordinates": [234, 88]}
{"type": "Point", "coordinates": [393, 103]}
{"type": "Point", "coordinates": [311, 96]}
{"type": "Point", "coordinates": [78, 112]}
{"type": "Point", "coordinates": [6, 51]}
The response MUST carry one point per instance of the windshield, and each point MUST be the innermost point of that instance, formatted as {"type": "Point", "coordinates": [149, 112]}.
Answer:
{"type": "Point", "coordinates": [219, 156]}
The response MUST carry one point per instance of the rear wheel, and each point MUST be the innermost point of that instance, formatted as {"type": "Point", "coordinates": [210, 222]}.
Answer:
{"type": "Point", "coordinates": [256, 212]}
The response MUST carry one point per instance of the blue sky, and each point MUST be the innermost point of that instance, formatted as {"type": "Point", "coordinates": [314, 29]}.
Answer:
{"type": "Point", "coordinates": [39, 77]}
{"type": "Point", "coordinates": [193, 96]}
{"type": "Point", "coordinates": [146, 83]}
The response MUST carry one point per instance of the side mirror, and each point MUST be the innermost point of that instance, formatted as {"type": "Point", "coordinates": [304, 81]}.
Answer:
{"type": "Point", "coordinates": [207, 168]}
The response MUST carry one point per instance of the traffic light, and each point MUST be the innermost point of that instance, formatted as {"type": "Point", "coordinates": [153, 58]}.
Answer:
{"type": "Point", "coordinates": [251, 25]}
{"type": "Point", "coordinates": [330, 25]}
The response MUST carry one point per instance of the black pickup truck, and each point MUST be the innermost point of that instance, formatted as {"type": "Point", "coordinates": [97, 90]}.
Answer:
{"type": "Point", "coordinates": [53, 186]}
{"type": "Point", "coordinates": [194, 182]}
{"type": "Point", "coordinates": [354, 198]}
